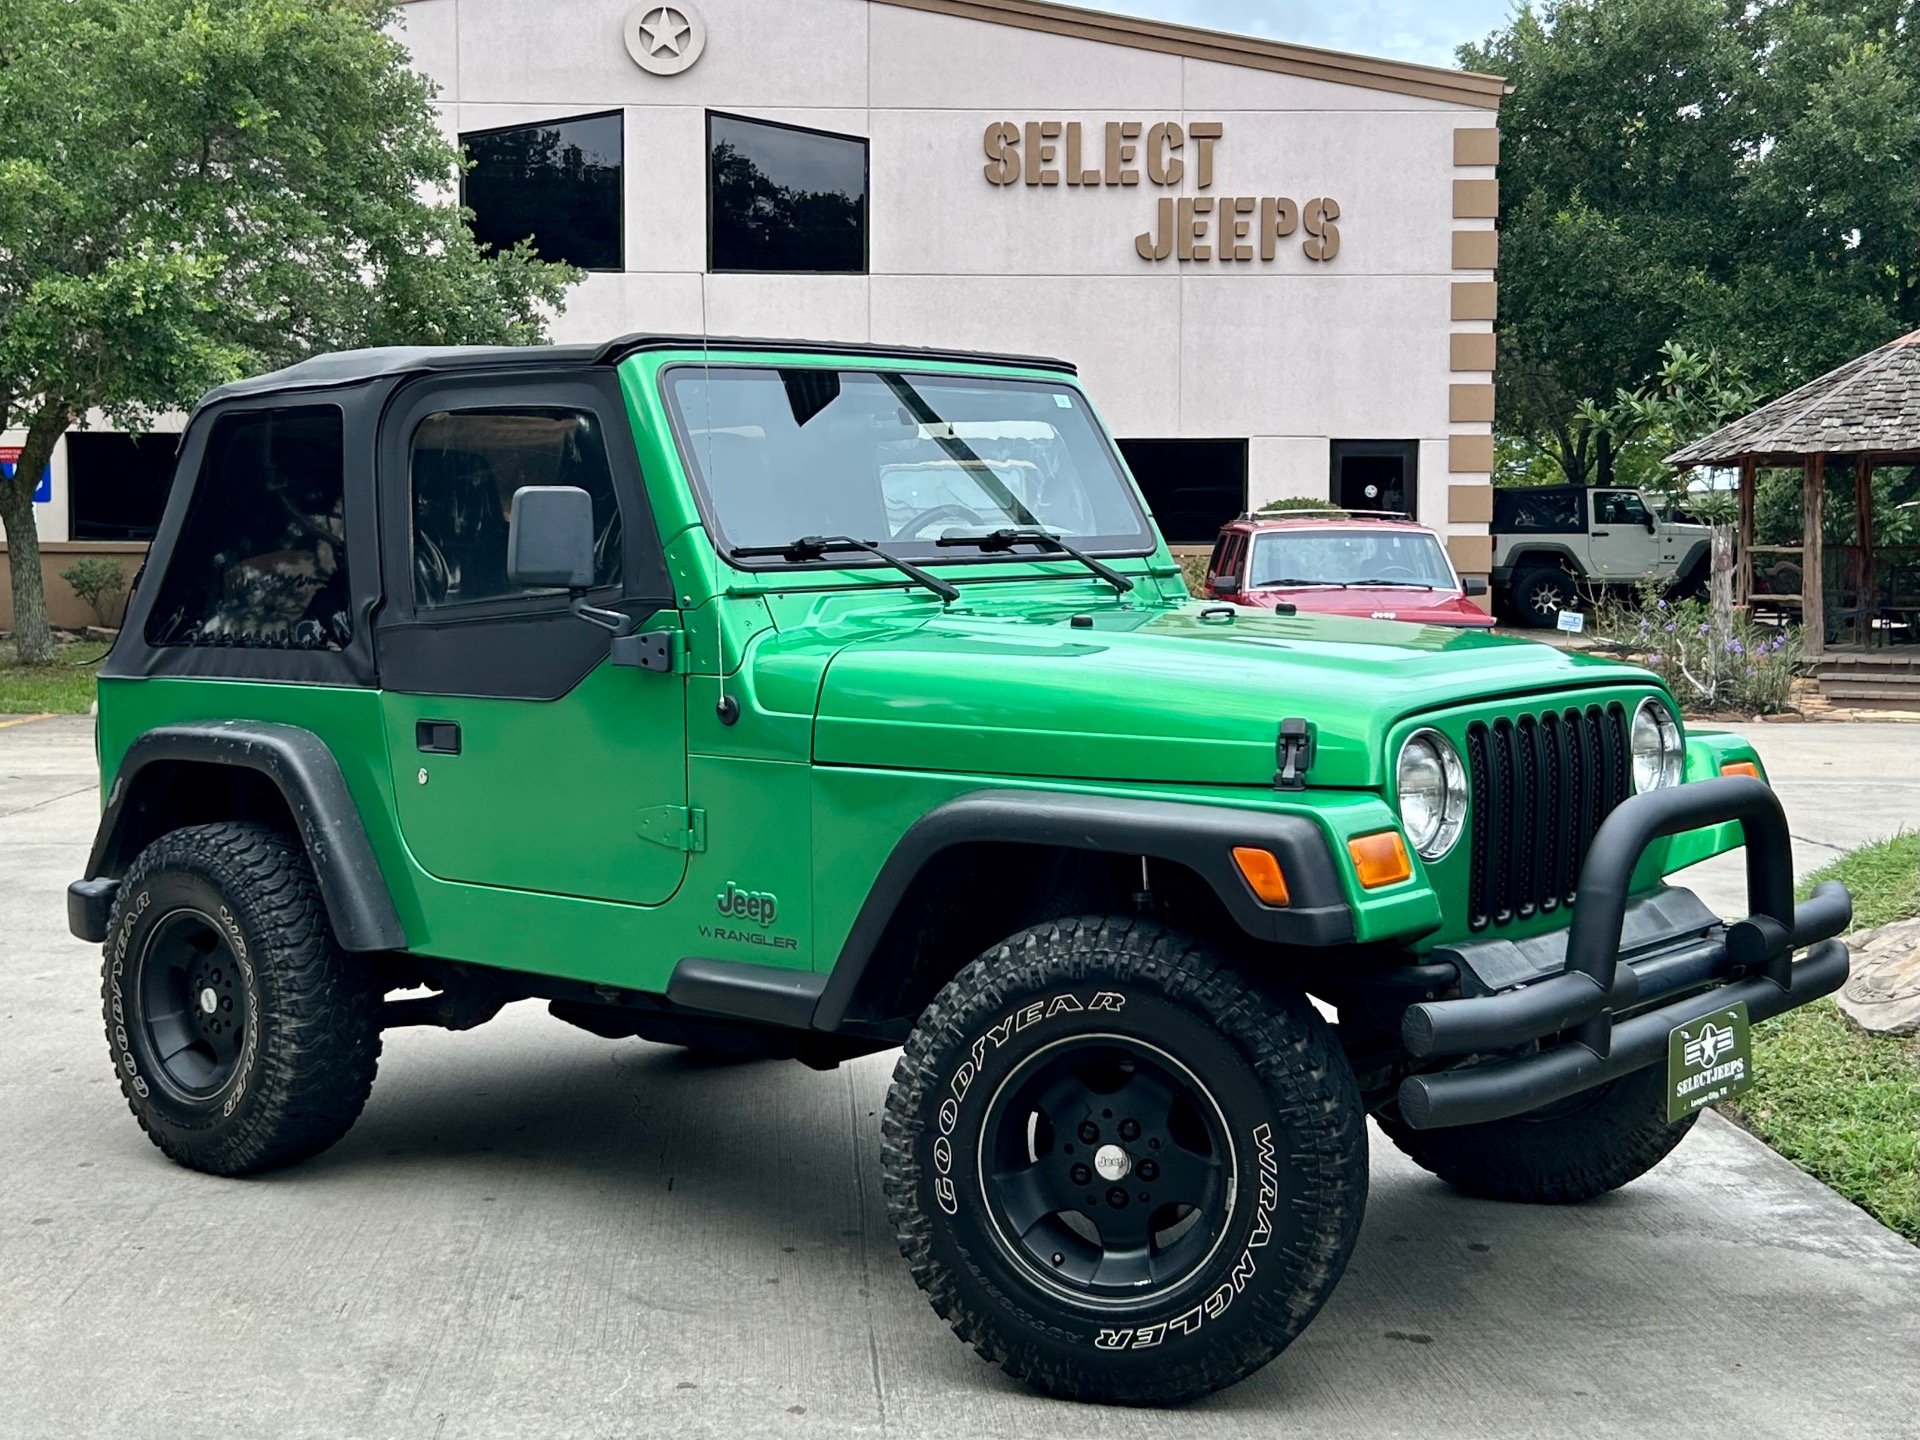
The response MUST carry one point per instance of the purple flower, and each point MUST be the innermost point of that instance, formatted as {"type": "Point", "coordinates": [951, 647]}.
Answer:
{"type": "Point", "coordinates": [1654, 659]}
{"type": "Point", "coordinates": [1705, 626]}
{"type": "Point", "coordinates": [1662, 604]}
{"type": "Point", "coordinates": [1735, 648]}
{"type": "Point", "coordinates": [1669, 627]}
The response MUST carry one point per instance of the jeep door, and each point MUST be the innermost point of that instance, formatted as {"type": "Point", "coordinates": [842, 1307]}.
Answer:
{"type": "Point", "coordinates": [1626, 544]}
{"type": "Point", "coordinates": [522, 758]}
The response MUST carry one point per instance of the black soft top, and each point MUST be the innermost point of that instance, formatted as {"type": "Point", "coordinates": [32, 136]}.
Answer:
{"type": "Point", "coordinates": [349, 367]}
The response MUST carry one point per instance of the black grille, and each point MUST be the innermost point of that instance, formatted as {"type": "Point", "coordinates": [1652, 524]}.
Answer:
{"type": "Point", "coordinates": [1541, 786]}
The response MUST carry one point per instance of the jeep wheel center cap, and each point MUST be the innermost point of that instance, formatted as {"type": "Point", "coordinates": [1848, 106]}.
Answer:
{"type": "Point", "coordinates": [209, 1002]}
{"type": "Point", "coordinates": [1112, 1162]}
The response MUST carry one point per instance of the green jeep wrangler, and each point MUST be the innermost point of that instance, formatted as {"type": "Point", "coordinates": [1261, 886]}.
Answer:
{"type": "Point", "coordinates": [815, 700]}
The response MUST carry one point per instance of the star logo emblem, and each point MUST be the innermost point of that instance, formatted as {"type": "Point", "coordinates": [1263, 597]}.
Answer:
{"type": "Point", "coordinates": [664, 39]}
{"type": "Point", "coordinates": [665, 29]}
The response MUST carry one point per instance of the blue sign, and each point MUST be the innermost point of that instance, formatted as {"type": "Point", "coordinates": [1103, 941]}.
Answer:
{"type": "Point", "coordinates": [9, 456]}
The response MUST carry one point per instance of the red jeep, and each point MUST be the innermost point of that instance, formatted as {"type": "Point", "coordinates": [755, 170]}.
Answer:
{"type": "Point", "coordinates": [1343, 562]}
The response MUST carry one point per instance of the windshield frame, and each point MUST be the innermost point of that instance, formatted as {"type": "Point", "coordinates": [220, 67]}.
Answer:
{"type": "Point", "coordinates": [1337, 527]}
{"type": "Point", "coordinates": [724, 545]}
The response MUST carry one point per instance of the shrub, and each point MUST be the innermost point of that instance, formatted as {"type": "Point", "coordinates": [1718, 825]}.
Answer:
{"type": "Point", "coordinates": [1748, 667]}
{"type": "Point", "coordinates": [99, 583]}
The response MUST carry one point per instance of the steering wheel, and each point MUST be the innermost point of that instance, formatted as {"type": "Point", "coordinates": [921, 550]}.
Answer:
{"type": "Point", "coordinates": [1393, 572]}
{"type": "Point", "coordinates": [911, 530]}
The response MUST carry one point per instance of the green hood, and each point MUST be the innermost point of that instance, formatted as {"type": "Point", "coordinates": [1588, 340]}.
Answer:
{"type": "Point", "coordinates": [1161, 695]}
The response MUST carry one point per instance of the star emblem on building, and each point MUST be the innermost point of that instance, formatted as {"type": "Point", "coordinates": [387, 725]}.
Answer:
{"type": "Point", "coordinates": [665, 29]}
{"type": "Point", "coordinates": [664, 39]}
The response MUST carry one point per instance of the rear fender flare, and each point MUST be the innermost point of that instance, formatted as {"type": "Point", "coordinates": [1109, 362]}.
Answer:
{"type": "Point", "coordinates": [304, 771]}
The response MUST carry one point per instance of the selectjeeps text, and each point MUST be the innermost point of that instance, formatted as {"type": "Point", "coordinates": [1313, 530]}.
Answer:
{"type": "Point", "coordinates": [814, 700]}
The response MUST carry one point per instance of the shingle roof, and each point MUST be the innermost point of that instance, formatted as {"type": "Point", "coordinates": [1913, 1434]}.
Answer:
{"type": "Point", "coordinates": [1871, 403]}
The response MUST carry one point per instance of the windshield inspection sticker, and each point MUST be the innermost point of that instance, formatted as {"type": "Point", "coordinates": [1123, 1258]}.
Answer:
{"type": "Point", "coordinates": [1708, 1061]}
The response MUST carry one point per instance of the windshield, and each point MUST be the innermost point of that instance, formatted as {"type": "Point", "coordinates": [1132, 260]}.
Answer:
{"type": "Point", "coordinates": [901, 459]}
{"type": "Point", "coordinates": [1359, 556]}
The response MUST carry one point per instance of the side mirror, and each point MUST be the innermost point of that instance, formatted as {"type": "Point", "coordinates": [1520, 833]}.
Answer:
{"type": "Point", "coordinates": [1473, 584]}
{"type": "Point", "coordinates": [1223, 585]}
{"type": "Point", "coordinates": [1652, 524]}
{"type": "Point", "coordinates": [550, 537]}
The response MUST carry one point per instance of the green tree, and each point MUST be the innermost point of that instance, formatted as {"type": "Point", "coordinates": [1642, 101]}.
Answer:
{"type": "Point", "coordinates": [1742, 178]}
{"type": "Point", "coordinates": [192, 190]}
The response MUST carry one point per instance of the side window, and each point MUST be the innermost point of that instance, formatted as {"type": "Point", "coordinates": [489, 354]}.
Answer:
{"type": "Point", "coordinates": [465, 466]}
{"type": "Point", "coordinates": [1545, 512]}
{"type": "Point", "coordinates": [1218, 564]}
{"type": "Point", "coordinates": [1618, 507]}
{"type": "Point", "coordinates": [262, 559]}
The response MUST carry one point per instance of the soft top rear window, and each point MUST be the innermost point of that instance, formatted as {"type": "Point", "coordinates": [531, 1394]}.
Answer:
{"type": "Point", "coordinates": [261, 562]}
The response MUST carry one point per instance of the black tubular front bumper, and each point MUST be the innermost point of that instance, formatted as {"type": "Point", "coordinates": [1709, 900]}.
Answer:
{"type": "Point", "coordinates": [1604, 1015]}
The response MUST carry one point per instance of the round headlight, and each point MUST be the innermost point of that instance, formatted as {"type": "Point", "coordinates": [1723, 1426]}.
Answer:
{"type": "Point", "coordinates": [1659, 754]}
{"type": "Point", "coordinates": [1433, 792]}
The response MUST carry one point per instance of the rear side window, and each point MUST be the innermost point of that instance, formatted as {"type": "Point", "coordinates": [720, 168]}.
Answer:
{"type": "Point", "coordinates": [465, 467]}
{"type": "Point", "coordinates": [262, 559]}
{"type": "Point", "coordinates": [1546, 512]}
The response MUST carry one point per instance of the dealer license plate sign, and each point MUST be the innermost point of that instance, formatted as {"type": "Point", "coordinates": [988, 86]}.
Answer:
{"type": "Point", "coordinates": [1707, 1061]}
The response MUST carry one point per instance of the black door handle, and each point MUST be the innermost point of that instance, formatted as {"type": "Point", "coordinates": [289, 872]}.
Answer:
{"type": "Point", "coordinates": [1602, 535]}
{"type": "Point", "coordinates": [436, 737]}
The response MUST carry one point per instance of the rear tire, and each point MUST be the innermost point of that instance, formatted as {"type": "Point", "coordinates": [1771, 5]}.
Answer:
{"type": "Point", "coordinates": [242, 1035]}
{"type": "Point", "coordinates": [1118, 1168]}
{"type": "Point", "coordinates": [1561, 1155]}
{"type": "Point", "coordinates": [1540, 594]}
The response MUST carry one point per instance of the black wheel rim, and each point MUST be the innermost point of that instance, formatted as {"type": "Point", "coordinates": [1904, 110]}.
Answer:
{"type": "Point", "coordinates": [1052, 1145]}
{"type": "Point", "coordinates": [193, 1004]}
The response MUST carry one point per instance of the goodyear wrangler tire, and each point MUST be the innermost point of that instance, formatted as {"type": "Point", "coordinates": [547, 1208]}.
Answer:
{"type": "Point", "coordinates": [1567, 1152]}
{"type": "Point", "coordinates": [242, 1036]}
{"type": "Point", "coordinates": [1119, 1169]}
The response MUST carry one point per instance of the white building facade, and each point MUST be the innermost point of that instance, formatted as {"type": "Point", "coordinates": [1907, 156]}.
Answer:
{"type": "Point", "coordinates": [1274, 266]}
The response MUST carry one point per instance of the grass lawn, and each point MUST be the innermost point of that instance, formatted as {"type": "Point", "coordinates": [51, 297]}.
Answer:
{"type": "Point", "coordinates": [1840, 1103]}
{"type": "Point", "coordinates": [63, 687]}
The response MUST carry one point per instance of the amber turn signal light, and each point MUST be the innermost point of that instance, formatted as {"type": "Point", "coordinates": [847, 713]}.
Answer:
{"type": "Point", "coordinates": [1741, 767]}
{"type": "Point", "coordinates": [1262, 873]}
{"type": "Point", "coordinates": [1379, 859]}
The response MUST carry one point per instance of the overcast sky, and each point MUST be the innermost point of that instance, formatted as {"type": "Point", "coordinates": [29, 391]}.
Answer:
{"type": "Point", "coordinates": [1424, 31]}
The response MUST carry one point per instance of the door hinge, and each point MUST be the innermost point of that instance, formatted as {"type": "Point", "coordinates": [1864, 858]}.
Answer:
{"type": "Point", "coordinates": [674, 826]}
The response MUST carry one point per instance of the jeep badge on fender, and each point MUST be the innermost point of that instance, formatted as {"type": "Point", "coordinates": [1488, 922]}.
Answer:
{"type": "Point", "coordinates": [890, 634]}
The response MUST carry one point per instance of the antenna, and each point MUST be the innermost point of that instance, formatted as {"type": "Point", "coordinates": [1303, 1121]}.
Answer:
{"type": "Point", "coordinates": [726, 707]}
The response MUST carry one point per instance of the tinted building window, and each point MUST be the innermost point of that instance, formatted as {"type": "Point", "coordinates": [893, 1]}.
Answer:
{"type": "Point", "coordinates": [785, 199]}
{"type": "Point", "coordinates": [1193, 487]}
{"type": "Point", "coordinates": [467, 464]}
{"type": "Point", "coordinates": [117, 484]}
{"type": "Point", "coordinates": [557, 184]}
{"type": "Point", "coordinates": [262, 559]}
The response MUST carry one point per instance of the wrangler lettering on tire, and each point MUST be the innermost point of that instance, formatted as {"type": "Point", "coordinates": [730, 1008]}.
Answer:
{"type": "Point", "coordinates": [1117, 1166]}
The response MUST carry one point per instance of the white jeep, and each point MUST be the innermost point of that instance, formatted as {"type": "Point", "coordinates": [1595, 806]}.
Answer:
{"type": "Point", "coordinates": [1553, 542]}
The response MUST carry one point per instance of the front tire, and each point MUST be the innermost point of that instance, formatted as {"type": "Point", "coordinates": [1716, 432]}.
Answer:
{"type": "Point", "coordinates": [1119, 1169]}
{"type": "Point", "coordinates": [242, 1035]}
{"type": "Point", "coordinates": [1561, 1155]}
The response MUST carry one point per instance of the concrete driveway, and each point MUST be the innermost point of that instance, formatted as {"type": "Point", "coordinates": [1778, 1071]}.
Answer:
{"type": "Point", "coordinates": [534, 1232]}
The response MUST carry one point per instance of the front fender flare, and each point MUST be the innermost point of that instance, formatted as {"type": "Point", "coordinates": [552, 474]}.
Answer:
{"type": "Point", "coordinates": [304, 770]}
{"type": "Point", "coordinates": [1200, 837]}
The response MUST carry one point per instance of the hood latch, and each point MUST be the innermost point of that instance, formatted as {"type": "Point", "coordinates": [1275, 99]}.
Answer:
{"type": "Point", "coordinates": [1293, 753]}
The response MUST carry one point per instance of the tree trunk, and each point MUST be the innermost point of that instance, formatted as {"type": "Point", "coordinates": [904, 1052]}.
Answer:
{"type": "Point", "coordinates": [1720, 599]}
{"type": "Point", "coordinates": [32, 635]}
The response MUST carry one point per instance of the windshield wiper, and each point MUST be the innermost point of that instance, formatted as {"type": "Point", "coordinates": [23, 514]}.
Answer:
{"type": "Point", "coordinates": [995, 540]}
{"type": "Point", "coordinates": [1403, 584]}
{"type": "Point", "coordinates": [1289, 581]}
{"type": "Point", "coordinates": [812, 547]}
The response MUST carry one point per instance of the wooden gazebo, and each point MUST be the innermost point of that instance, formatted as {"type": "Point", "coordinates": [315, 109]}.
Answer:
{"type": "Point", "coordinates": [1868, 411]}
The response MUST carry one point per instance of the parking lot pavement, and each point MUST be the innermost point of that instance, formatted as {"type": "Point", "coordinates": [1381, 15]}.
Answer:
{"type": "Point", "coordinates": [533, 1231]}
{"type": "Point", "coordinates": [1843, 785]}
